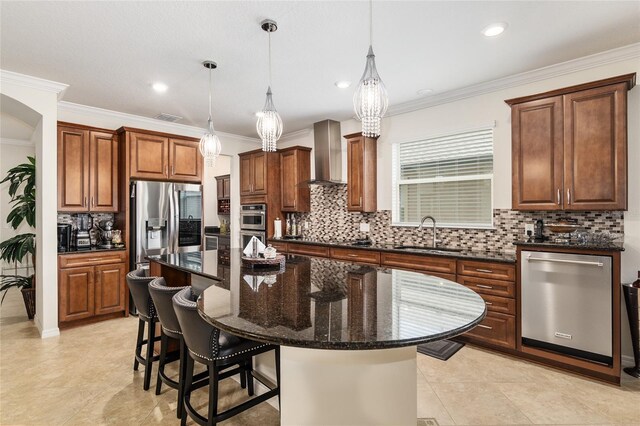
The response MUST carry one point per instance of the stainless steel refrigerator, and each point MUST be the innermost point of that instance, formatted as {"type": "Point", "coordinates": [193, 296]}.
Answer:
{"type": "Point", "coordinates": [166, 218]}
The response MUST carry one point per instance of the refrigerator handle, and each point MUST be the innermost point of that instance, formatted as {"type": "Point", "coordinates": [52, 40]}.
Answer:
{"type": "Point", "coordinates": [175, 211]}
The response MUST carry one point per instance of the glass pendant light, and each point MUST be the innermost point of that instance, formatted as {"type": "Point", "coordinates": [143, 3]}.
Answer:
{"type": "Point", "coordinates": [269, 125]}
{"type": "Point", "coordinates": [370, 100]}
{"type": "Point", "coordinates": [210, 146]}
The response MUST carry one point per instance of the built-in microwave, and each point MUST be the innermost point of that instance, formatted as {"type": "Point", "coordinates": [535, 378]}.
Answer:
{"type": "Point", "coordinates": [245, 237]}
{"type": "Point", "coordinates": [253, 216]}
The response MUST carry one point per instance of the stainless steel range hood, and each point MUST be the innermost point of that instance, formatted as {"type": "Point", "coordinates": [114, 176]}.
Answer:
{"type": "Point", "coordinates": [327, 151]}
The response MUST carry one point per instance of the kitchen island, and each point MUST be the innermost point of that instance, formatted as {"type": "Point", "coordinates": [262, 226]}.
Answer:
{"type": "Point", "coordinates": [348, 332]}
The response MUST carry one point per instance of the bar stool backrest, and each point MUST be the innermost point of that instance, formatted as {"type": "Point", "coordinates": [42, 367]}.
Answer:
{"type": "Point", "coordinates": [138, 283]}
{"type": "Point", "coordinates": [200, 336]}
{"type": "Point", "coordinates": [162, 296]}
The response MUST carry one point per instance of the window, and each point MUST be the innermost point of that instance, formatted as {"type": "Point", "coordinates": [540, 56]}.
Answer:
{"type": "Point", "coordinates": [448, 177]}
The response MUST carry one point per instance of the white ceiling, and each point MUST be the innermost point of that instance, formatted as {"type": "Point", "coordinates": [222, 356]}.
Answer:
{"type": "Point", "coordinates": [111, 52]}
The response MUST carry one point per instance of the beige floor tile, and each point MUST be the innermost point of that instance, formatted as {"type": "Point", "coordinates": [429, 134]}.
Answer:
{"type": "Point", "coordinates": [430, 406]}
{"type": "Point", "coordinates": [478, 404]}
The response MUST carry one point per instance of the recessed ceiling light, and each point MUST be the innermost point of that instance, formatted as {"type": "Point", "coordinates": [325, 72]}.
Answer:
{"type": "Point", "coordinates": [423, 92]}
{"type": "Point", "coordinates": [343, 84]}
{"type": "Point", "coordinates": [495, 29]}
{"type": "Point", "coordinates": [160, 87]}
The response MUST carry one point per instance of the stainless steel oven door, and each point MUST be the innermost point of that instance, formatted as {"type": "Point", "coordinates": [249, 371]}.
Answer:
{"type": "Point", "coordinates": [245, 237]}
{"type": "Point", "coordinates": [210, 242]}
{"type": "Point", "coordinates": [253, 216]}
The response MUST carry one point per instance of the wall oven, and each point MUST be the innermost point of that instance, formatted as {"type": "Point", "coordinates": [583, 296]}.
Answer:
{"type": "Point", "coordinates": [253, 216]}
{"type": "Point", "coordinates": [245, 237]}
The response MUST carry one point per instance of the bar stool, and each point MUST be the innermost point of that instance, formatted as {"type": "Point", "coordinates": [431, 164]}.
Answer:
{"type": "Point", "coordinates": [138, 283]}
{"type": "Point", "coordinates": [224, 354]}
{"type": "Point", "coordinates": [170, 328]}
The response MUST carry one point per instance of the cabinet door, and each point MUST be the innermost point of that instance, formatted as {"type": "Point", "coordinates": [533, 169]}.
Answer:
{"type": "Point", "coordinates": [226, 187]}
{"type": "Point", "coordinates": [537, 150]}
{"type": "Point", "coordinates": [355, 162]}
{"type": "Point", "coordinates": [288, 181]}
{"type": "Point", "coordinates": [149, 156]}
{"type": "Point", "coordinates": [259, 173]}
{"type": "Point", "coordinates": [103, 168]}
{"type": "Point", "coordinates": [73, 170]}
{"type": "Point", "coordinates": [246, 174]}
{"type": "Point", "coordinates": [75, 294]}
{"type": "Point", "coordinates": [109, 288]}
{"type": "Point", "coordinates": [185, 161]}
{"type": "Point", "coordinates": [595, 157]}
{"type": "Point", "coordinates": [219, 188]}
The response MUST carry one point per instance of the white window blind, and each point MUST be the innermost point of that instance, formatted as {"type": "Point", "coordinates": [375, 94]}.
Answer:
{"type": "Point", "coordinates": [448, 177]}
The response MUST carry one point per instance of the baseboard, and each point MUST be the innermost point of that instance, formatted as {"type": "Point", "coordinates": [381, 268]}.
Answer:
{"type": "Point", "coordinates": [49, 332]}
{"type": "Point", "coordinates": [627, 360]}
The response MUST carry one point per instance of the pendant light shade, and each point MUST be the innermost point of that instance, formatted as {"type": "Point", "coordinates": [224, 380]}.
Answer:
{"type": "Point", "coordinates": [370, 100]}
{"type": "Point", "coordinates": [210, 146]}
{"type": "Point", "coordinates": [269, 125]}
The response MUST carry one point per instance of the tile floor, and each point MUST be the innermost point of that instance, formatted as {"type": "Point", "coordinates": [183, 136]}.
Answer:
{"type": "Point", "coordinates": [85, 376]}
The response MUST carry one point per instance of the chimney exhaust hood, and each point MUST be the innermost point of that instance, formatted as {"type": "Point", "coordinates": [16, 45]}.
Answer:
{"type": "Point", "coordinates": [327, 152]}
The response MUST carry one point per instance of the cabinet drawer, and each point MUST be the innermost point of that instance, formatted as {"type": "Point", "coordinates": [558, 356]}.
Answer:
{"type": "Point", "coordinates": [91, 259]}
{"type": "Point", "coordinates": [499, 271]}
{"type": "Point", "coordinates": [307, 250]}
{"type": "Point", "coordinates": [491, 287]}
{"type": "Point", "coordinates": [419, 263]}
{"type": "Point", "coordinates": [499, 304]}
{"type": "Point", "coordinates": [280, 247]}
{"type": "Point", "coordinates": [364, 256]}
{"type": "Point", "coordinates": [496, 329]}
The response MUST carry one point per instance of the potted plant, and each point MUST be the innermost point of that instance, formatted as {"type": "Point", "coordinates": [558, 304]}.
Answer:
{"type": "Point", "coordinates": [22, 190]}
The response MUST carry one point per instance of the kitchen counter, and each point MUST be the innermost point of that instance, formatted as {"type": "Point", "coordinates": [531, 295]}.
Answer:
{"type": "Point", "coordinates": [613, 246]}
{"type": "Point", "coordinates": [91, 250]}
{"type": "Point", "coordinates": [493, 256]}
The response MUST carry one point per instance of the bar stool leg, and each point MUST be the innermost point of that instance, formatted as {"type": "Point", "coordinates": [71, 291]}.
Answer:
{"type": "Point", "coordinates": [164, 341]}
{"type": "Point", "coordinates": [181, 377]}
{"type": "Point", "coordinates": [278, 376]}
{"type": "Point", "coordinates": [248, 371]}
{"type": "Point", "coordinates": [138, 344]}
{"type": "Point", "coordinates": [213, 395]}
{"type": "Point", "coordinates": [188, 382]}
{"type": "Point", "coordinates": [149, 361]}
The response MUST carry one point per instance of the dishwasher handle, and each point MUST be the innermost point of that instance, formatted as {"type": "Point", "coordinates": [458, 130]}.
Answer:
{"type": "Point", "coordinates": [575, 262]}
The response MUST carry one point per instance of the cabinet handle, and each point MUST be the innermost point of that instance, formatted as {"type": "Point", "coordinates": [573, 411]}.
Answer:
{"type": "Point", "coordinates": [558, 196]}
{"type": "Point", "coordinates": [84, 202]}
{"type": "Point", "coordinates": [173, 170]}
{"type": "Point", "coordinates": [488, 303]}
{"type": "Point", "coordinates": [360, 201]}
{"type": "Point", "coordinates": [484, 286]}
{"type": "Point", "coordinates": [485, 326]}
{"type": "Point", "coordinates": [488, 271]}
{"type": "Point", "coordinates": [568, 196]}
{"type": "Point", "coordinates": [93, 203]}
{"type": "Point", "coordinates": [352, 255]}
{"type": "Point", "coordinates": [166, 169]}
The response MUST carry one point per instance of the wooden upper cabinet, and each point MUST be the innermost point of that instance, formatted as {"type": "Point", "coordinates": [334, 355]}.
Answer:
{"type": "Point", "coordinates": [87, 170]}
{"type": "Point", "coordinates": [223, 187]}
{"type": "Point", "coordinates": [295, 171]}
{"type": "Point", "coordinates": [185, 160]}
{"type": "Point", "coordinates": [569, 147]}
{"type": "Point", "coordinates": [103, 149]}
{"type": "Point", "coordinates": [73, 169]}
{"type": "Point", "coordinates": [595, 158]}
{"type": "Point", "coordinates": [361, 173]}
{"type": "Point", "coordinates": [149, 156]}
{"type": "Point", "coordinates": [253, 173]}
{"type": "Point", "coordinates": [246, 174]}
{"type": "Point", "coordinates": [537, 149]}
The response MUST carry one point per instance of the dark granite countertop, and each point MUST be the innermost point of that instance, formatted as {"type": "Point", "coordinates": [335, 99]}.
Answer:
{"type": "Point", "coordinates": [494, 256]}
{"type": "Point", "coordinates": [327, 304]}
{"type": "Point", "coordinates": [203, 263]}
{"type": "Point", "coordinates": [91, 250]}
{"type": "Point", "coordinates": [612, 246]}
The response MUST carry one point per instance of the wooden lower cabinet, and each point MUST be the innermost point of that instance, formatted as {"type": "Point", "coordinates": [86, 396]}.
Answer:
{"type": "Point", "coordinates": [496, 329]}
{"type": "Point", "coordinates": [91, 285]}
{"type": "Point", "coordinates": [110, 289]}
{"type": "Point", "coordinates": [76, 294]}
{"type": "Point", "coordinates": [419, 263]}
{"type": "Point", "coordinates": [360, 256]}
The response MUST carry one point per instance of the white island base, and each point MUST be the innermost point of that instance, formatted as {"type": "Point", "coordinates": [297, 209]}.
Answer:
{"type": "Point", "coordinates": [348, 387]}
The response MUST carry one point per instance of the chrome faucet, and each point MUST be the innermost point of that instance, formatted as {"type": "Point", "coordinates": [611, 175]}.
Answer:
{"type": "Point", "coordinates": [433, 228]}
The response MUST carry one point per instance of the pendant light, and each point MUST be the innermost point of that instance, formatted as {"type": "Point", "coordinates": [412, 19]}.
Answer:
{"type": "Point", "coordinates": [210, 146]}
{"type": "Point", "coordinates": [269, 125]}
{"type": "Point", "coordinates": [370, 100]}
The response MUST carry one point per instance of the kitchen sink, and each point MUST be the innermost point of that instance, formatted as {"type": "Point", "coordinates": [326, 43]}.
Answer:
{"type": "Point", "coordinates": [429, 249]}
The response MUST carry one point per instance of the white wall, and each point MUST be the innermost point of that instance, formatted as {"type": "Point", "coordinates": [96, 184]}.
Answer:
{"type": "Point", "coordinates": [231, 144]}
{"type": "Point", "coordinates": [210, 189]}
{"type": "Point", "coordinates": [11, 154]}
{"type": "Point", "coordinates": [41, 96]}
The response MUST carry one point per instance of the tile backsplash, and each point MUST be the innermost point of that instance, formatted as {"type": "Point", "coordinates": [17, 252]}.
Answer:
{"type": "Point", "coordinates": [330, 220]}
{"type": "Point", "coordinates": [71, 219]}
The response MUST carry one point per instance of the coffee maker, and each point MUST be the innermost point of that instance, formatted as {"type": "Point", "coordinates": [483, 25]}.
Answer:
{"type": "Point", "coordinates": [83, 238]}
{"type": "Point", "coordinates": [64, 237]}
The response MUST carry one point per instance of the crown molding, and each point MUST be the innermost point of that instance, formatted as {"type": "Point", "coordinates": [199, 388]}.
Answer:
{"type": "Point", "coordinates": [16, 142]}
{"type": "Point", "coordinates": [630, 51]}
{"type": "Point", "coordinates": [131, 120]}
{"type": "Point", "coordinates": [295, 135]}
{"type": "Point", "coordinates": [10, 77]}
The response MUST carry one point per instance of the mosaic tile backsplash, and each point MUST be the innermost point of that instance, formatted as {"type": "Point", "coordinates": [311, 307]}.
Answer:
{"type": "Point", "coordinates": [71, 219]}
{"type": "Point", "coordinates": [330, 220]}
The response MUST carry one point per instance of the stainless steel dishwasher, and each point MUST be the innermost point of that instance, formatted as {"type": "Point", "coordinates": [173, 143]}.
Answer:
{"type": "Point", "coordinates": [566, 304]}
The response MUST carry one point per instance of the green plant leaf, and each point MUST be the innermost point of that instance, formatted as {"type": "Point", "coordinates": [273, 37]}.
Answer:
{"type": "Point", "coordinates": [9, 281]}
{"type": "Point", "coordinates": [17, 247]}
